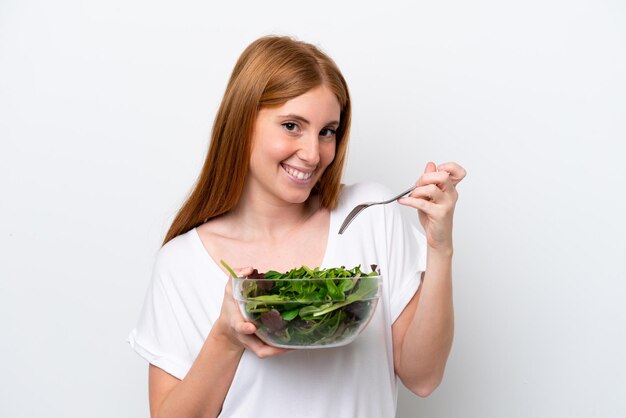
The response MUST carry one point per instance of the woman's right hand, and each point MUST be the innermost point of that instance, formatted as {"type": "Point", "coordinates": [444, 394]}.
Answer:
{"type": "Point", "coordinates": [203, 390]}
{"type": "Point", "coordinates": [237, 330]}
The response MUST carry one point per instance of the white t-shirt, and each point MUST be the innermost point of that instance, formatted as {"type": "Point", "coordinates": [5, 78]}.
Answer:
{"type": "Point", "coordinates": [357, 380]}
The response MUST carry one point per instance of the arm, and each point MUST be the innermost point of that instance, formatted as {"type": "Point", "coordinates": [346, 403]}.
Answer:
{"type": "Point", "coordinates": [423, 333]}
{"type": "Point", "coordinates": [203, 390]}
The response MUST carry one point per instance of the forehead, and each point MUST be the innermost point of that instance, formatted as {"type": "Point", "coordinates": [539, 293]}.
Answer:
{"type": "Point", "coordinates": [318, 105]}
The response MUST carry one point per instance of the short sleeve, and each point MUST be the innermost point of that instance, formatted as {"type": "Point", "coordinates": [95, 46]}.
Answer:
{"type": "Point", "coordinates": [406, 254]}
{"type": "Point", "coordinates": [158, 336]}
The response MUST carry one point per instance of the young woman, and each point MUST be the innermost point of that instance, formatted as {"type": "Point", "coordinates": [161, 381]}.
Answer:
{"type": "Point", "coordinates": [269, 197]}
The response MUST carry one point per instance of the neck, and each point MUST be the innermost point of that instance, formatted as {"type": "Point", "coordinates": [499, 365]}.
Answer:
{"type": "Point", "coordinates": [263, 220]}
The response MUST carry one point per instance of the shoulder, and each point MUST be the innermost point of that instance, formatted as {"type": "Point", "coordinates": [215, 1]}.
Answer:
{"type": "Point", "coordinates": [177, 253]}
{"type": "Point", "coordinates": [182, 267]}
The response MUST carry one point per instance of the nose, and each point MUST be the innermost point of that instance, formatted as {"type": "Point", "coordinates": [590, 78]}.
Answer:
{"type": "Point", "coordinates": [309, 149]}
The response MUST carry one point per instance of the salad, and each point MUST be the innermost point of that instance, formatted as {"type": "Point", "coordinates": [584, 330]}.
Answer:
{"type": "Point", "coordinates": [307, 307]}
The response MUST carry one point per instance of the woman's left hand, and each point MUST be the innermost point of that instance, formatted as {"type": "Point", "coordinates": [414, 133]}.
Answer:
{"type": "Point", "coordinates": [435, 198]}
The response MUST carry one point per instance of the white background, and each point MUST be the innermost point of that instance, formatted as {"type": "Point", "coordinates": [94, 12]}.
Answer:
{"type": "Point", "coordinates": [105, 113]}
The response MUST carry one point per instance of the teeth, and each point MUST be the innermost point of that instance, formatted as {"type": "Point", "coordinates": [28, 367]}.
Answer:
{"type": "Point", "coordinates": [297, 173]}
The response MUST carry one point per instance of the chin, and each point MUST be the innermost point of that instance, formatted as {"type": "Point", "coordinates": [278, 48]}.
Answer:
{"type": "Point", "coordinates": [296, 197]}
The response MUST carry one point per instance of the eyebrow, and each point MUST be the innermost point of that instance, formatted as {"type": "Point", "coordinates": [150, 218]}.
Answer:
{"type": "Point", "coordinates": [304, 120]}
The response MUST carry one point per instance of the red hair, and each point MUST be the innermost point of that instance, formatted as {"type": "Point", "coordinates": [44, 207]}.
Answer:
{"type": "Point", "coordinates": [269, 72]}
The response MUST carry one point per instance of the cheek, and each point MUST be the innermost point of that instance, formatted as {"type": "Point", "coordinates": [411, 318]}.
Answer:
{"type": "Point", "coordinates": [280, 150]}
{"type": "Point", "coordinates": [327, 152]}
{"type": "Point", "coordinates": [274, 149]}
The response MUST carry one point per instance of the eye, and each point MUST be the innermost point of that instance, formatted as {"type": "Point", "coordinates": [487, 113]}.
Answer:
{"type": "Point", "coordinates": [328, 133]}
{"type": "Point", "coordinates": [291, 127]}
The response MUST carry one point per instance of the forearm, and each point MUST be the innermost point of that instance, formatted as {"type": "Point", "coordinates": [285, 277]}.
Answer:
{"type": "Point", "coordinates": [428, 338]}
{"type": "Point", "coordinates": [202, 392]}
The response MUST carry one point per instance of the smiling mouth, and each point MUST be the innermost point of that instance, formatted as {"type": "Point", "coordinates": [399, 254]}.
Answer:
{"type": "Point", "coordinates": [297, 174]}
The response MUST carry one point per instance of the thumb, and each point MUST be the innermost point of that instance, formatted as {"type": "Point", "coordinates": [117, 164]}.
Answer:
{"type": "Point", "coordinates": [430, 167]}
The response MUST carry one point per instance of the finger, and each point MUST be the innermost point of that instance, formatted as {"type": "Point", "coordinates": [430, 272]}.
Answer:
{"type": "Point", "coordinates": [259, 348]}
{"type": "Point", "coordinates": [457, 173]}
{"type": "Point", "coordinates": [429, 192]}
{"type": "Point", "coordinates": [263, 350]}
{"type": "Point", "coordinates": [440, 178]}
{"type": "Point", "coordinates": [244, 327]}
{"type": "Point", "coordinates": [268, 351]}
{"type": "Point", "coordinates": [430, 167]}
{"type": "Point", "coordinates": [254, 344]}
{"type": "Point", "coordinates": [243, 271]}
{"type": "Point", "coordinates": [418, 203]}
{"type": "Point", "coordinates": [238, 322]}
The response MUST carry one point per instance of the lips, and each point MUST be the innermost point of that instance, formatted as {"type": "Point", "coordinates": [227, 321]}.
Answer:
{"type": "Point", "coordinates": [296, 173]}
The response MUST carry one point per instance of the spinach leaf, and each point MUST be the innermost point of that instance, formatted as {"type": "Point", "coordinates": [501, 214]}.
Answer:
{"type": "Point", "coordinates": [310, 307]}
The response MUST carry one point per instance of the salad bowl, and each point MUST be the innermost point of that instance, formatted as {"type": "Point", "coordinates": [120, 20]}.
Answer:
{"type": "Point", "coordinates": [304, 308]}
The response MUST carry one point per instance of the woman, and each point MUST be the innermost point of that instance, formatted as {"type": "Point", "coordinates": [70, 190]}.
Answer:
{"type": "Point", "coordinates": [269, 197]}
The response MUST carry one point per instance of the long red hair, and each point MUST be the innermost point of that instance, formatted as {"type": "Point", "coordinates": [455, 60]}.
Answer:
{"type": "Point", "coordinates": [269, 72]}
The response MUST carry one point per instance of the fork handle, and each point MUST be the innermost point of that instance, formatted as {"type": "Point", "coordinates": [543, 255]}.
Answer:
{"type": "Point", "coordinates": [404, 193]}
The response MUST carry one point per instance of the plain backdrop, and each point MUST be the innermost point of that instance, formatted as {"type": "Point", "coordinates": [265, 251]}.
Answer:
{"type": "Point", "coordinates": [105, 113]}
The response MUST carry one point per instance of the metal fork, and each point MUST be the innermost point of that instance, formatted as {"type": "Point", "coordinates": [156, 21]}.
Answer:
{"type": "Point", "coordinates": [359, 208]}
